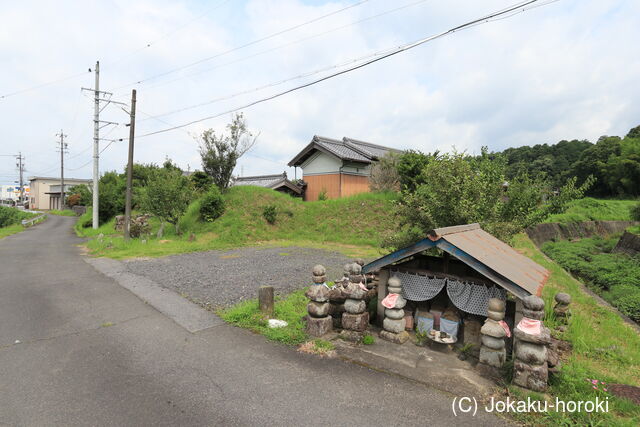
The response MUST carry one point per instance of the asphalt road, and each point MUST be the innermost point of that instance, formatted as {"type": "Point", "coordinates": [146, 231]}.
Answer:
{"type": "Point", "coordinates": [76, 348]}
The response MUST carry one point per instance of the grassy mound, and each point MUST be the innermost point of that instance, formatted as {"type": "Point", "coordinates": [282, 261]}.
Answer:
{"type": "Point", "coordinates": [354, 225]}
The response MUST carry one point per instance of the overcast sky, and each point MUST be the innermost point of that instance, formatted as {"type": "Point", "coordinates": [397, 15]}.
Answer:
{"type": "Point", "coordinates": [562, 71]}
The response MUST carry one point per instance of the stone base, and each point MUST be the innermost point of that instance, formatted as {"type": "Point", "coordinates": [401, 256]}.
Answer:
{"type": "Point", "coordinates": [491, 357]}
{"type": "Point", "coordinates": [530, 376]}
{"type": "Point", "coordinates": [352, 336]}
{"type": "Point", "coordinates": [489, 371]}
{"type": "Point", "coordinates": [400, 338]}
{"type": "Point", "coordinates": [355, 322]}
{"type": "Point", "coordinates": [319, 326]}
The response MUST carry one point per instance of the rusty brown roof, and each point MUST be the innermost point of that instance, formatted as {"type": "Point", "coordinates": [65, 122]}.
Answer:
{"type": "Point", "coordinates": [481, 251]}
{"type": "Point", "coordinates": [495, 254]}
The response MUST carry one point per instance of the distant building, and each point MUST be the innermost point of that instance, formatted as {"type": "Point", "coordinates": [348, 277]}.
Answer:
{"type": "Point", "coordinates": [278, 182]}
{"type": "Point", "coordinates": [45, 191]}
{"type": "Point", "coordinates": [12, 192]}
{"type": "Point", "coordinates": [337, 167]}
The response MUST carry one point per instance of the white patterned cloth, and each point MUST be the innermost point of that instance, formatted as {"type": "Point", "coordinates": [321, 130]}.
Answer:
{"type": "Point", "coordinates": [473, 298]}
{"type": "Point", "coordinates": [419, 288]}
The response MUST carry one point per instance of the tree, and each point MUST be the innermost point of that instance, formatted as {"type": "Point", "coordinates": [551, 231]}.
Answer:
{"type": "Point", "coordinates": [111, 188]}
{"type": "Point", "coordinates": [82, 193]}
{"type": "Point", "coordinates": [411, 163]}
{"type": "Point", "coordinates": [201, 181]}
{"type": "Point", "coordinates": [220, 152]}
{"type": "Point", "coordinates": [459, 189]}
{"type": "Point", "coordinates": [167, 195]}
{"type": "Point", "coordinates": [384, 174]}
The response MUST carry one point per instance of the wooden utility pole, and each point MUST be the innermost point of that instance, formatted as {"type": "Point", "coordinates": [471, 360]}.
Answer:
{"type": "Point", "coordinates": [63, 147]}
{"type": "Point", "coordinates": [132, 131]}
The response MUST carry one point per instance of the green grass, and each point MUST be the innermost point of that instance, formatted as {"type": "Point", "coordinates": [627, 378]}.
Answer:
{"type": "Point", "coordinates": [66, 212]}
{"type": "Point", "coordinates": [16, 228]}
{"type": "Point", "coordinates": [590, 209]}
{"type": "Point", "coordinates": [290, 308]}
{"type": "Point", "coordinates": [604, 348]}
{"type": "Point", "coordinates": [635, 229]}
{"type": "Point", "coordinates": [614, 276]}
{"type": "Point", "coordinates": [11, 229]}
{"type": "Point", "coordinates": [353, 225]}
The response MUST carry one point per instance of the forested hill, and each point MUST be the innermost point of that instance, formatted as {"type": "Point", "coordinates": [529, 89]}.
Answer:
{"type": "Point", "coordinates": [613, 161]}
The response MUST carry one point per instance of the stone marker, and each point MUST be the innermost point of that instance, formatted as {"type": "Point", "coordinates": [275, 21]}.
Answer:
{"type": "Point", "coordinates": [492, 349]}
{"type": "Point", "coordinates": [561, 309]}
{"type": "Point", "coordinates": [355, 317]}
{"type": "Point", "coordinates": [265, 299]}
{"type": "Point", "coordinates": [394, 322]}
{"type": "Point", "coordinates": [319, 322]}
{"type": "Point", "coordinates": [530, 365]}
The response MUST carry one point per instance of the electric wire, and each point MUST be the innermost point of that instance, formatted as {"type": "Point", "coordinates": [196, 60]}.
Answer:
{"type": "Point", "coordinates": [399, 49]}
{"type": "Point", "coordinates": [282, 46]}
{"type": "Point", "coordinates": [251, 43]}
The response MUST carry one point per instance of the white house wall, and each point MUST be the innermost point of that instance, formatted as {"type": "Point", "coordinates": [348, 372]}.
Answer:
{"type": "Point", "coordinates": [320, 163]}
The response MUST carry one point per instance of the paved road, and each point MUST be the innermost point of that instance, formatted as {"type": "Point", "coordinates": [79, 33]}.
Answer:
{"type": "Point", "coordinates": [92, 353]}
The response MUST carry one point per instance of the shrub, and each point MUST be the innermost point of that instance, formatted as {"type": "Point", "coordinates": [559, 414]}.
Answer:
{"type": "Point", "coordinates": [212, 205]}
{"type": "Point", "coordinates": [73, 200]}
{"type": "Point", "coordinates": [323, 194]}
{"type": "Point", "coordinates": [270, 213]}
{"type": "Point", "coordinates": [635, 212]}
{"type": "Point", "coordinates": [9, 216]}
{"type": "Point", "coordinates": [201, 181]}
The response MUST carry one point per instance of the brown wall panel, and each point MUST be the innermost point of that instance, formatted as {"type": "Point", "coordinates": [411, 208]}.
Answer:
{"type": "Point", "coordinates": [354, 184]}
{"type": "Point", "coordinates": [316, 183]}
{"type": "Point", "coordinates": [336, 185]}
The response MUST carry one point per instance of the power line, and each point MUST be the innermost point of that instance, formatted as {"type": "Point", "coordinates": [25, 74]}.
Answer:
{"type": "Point", "coordinates": [270, 36]}
{"type": "Point", "coordinates": [273, 49]}
{"type": "Point", "coordinates": [169, 33]}
{"type": "Point", "coordinates": [399, 49]}
{"type": "Point", "coordinates": [268, 85]}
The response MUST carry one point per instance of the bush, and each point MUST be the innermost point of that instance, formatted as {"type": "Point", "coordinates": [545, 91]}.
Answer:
{"type": "Point", "coordinates": [635, 212]}
{"type": "Point", "coordinates": [323, 195]}
{"type": "Point", "coordinates": [270, 213]}
{"type": "Point", "coordinates": [212, 205]}
{"type": "Point", "coordinates": [9, 216]}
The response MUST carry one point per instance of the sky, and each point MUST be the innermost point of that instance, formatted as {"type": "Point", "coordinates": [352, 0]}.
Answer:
{"type": "Point", "coordinates": [564, 70]}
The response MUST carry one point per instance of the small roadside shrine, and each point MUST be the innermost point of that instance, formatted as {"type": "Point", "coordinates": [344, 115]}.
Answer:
{"type": "Point", "coordinates": [481, 295]}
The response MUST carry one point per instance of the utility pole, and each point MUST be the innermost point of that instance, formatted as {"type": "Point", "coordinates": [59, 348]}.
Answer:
{"type": "Point", "coordinates": [96, 145]}
{"type": "Point", "coordinates": [63, 148]}
{"type": "Point", "coordinates": [96, 137]}
{"type": "Point", "coordinates": [20, 166]}
{"type": "Point", "coordinates": [132, 131]}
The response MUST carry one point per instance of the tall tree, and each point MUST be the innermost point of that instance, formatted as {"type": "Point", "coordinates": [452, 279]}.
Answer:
{"type": "Point", "coordinates": [220, 152]}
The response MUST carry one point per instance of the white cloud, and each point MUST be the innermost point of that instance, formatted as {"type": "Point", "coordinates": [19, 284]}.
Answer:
{"type": "Point", "coordinates": [567, 70]}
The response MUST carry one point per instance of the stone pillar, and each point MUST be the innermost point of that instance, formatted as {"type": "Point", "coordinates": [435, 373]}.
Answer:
{"type": "Point", "coordinates": [394, 322]}
{"type": "Point", "coordinates": [492, 349]}
{"type": "Point", "coordinates": [530, 366]}
{"type": "Point", "coordinates": [355, 319]}
{"type": "Point", "coordinates": [318, 321]}
{"type": "Point", "coordinates": [561, 309]}
{"type": "Point", "coordinates": [383, 278]}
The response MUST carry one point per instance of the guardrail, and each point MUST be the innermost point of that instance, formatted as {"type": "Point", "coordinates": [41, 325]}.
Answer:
{"type": "Point", "coordinates": [32, 221]}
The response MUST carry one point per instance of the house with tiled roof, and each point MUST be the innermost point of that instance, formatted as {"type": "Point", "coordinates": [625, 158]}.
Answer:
{"type": "Point", "coordinates": [278, 182]}
{"type": "Point", "coordinates": [337, 167]}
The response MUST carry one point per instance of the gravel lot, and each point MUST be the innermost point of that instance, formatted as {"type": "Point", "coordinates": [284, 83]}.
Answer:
{"type": "Point", "coordinates": [220, 278]}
